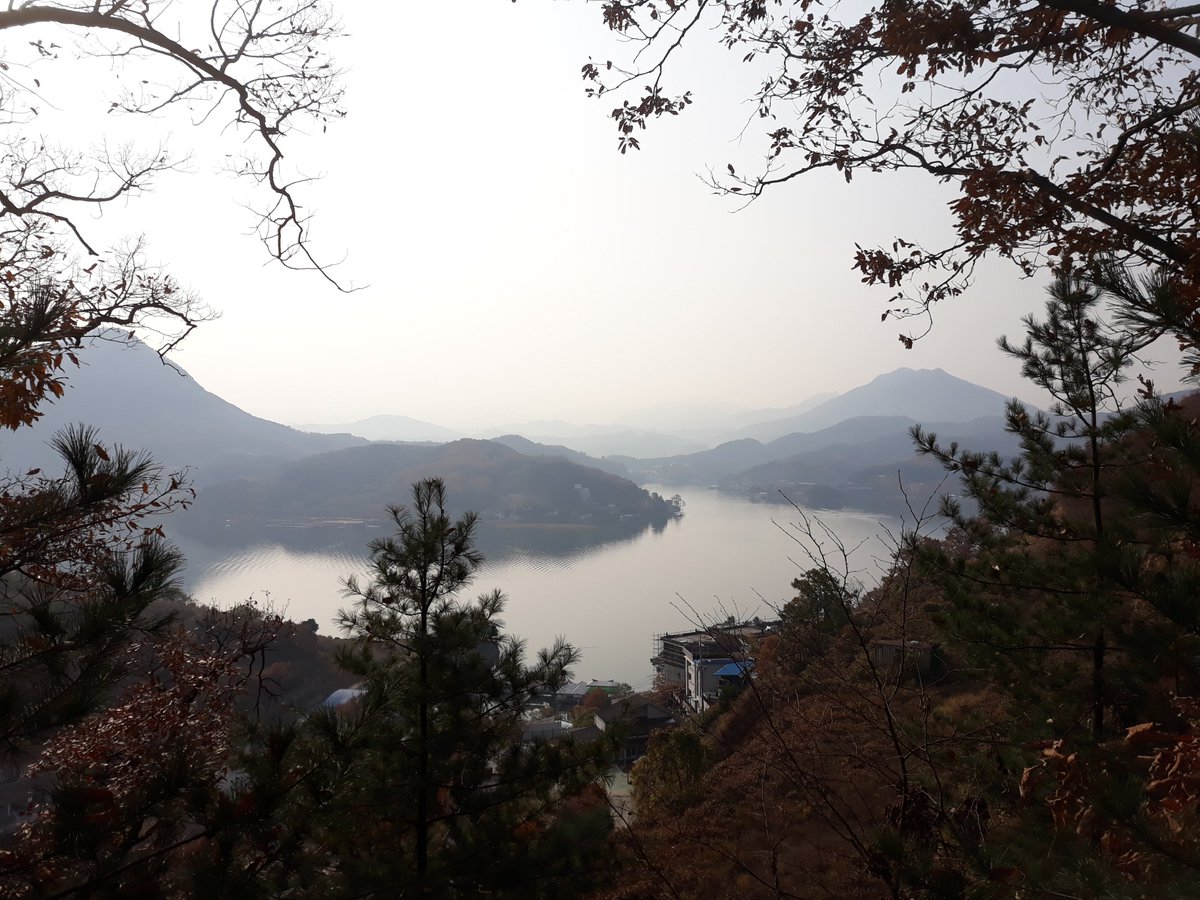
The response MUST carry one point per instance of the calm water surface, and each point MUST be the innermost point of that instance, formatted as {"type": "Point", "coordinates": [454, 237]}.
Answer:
{"type": "Point", "coordinates": [724, 556]}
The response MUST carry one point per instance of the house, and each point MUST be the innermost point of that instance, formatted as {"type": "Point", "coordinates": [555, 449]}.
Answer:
{"type": "Point", "coordinates": [898, 654]}
{"type": "Point", "coordinates": [634, 719]}
{"type": "Point", "coordinates": [703, 686]}
{"type": "Point", "coordinates": [733, 674]}
{"type": "Point", "coordinates": [545, 729]}
{"type": "Point", "coordinates": [686, 662]}
{"type": "Point", "coordinates": [568, 696]}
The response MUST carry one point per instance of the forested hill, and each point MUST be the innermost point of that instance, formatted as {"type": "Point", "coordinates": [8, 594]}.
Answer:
{"type": "Point", "coordinates": [532, 448]}
{"type": "Point", "coordinates": [249, 468]}
{"type": "Point", "coordinates": [493, 480]}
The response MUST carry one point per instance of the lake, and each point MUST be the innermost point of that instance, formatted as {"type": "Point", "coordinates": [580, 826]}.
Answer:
{"type": "Point", "coordinates": [607, 594]}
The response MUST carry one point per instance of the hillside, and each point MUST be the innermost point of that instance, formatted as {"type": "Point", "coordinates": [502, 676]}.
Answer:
{"type": "Point", "coordinates": [135, 400]}
{"type": "Point", "coordinates": [831, 452]}
{"type": "Point", "coordinates": [781, 789]}
{"type": "Point", "coordinates": [499, 483]}
{"type": "Point", "coordinates": [726, 460]}
{"type": "Point", "coordinates": [826, 462]}
{"type": "Point", "coordinates": [532, 448]}
{"type": "Point", "coordinates": [882, 474]}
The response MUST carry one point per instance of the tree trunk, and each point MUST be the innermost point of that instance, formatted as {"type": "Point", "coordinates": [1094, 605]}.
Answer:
{"type": "Point", "coordinates": [423, 756]}
{"type": "Point", "coordinates": [1098, 687]}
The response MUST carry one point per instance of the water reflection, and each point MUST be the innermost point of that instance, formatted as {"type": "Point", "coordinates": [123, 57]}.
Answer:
{"type": "Point", "coordinates": [609, 591]}
{"type": "Point", "coordinates": [498, 540]}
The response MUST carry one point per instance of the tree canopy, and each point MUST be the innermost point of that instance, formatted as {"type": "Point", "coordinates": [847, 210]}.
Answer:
{"type": "Point", "coordinates": [134, 717]}
{"type": "Point", "coordinates": [470, 806]}
{"type": "Point", "coordinates": [258, 70]}
{"type": "Point", "coordinates": [1012, 709]}
{"type": "Point", "coordinates": [1067, 127]}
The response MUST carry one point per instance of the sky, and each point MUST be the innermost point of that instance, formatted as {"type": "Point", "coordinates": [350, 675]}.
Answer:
{"type": "Point", "coordinates": [509, 263]}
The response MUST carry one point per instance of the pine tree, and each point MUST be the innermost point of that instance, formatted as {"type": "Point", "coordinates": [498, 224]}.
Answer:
{"type": "Point", "coordinates": [448, 800]}
{"type": "Point", "coordinates": [1071, 590]}
{"type": "Point", "coordinates": [1036, 597]}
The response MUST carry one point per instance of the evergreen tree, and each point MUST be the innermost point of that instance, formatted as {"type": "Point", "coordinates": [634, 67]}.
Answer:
{"type": "Point", "coordinates": [453, 801]}
{"type": "Point", "coordinates": [1071, 591]}
{"type": "Point", "coordinates": [78, 572]}
{"type": "Point", "coordinates": [1036, 596]}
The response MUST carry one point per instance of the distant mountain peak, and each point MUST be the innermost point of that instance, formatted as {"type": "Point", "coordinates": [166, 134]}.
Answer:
{"type": "Point", "coordinates": [908, 371]}
{"type": "Point", "coordinates": [924, 395]}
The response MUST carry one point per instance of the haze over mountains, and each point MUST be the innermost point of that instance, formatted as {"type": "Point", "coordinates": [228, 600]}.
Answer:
{"type": "Point", "coordinates": [925, 395]}
{"type": "Point", "coordinates": [595, 440]}
{"type": "Point", "coordinates": [852, 450]}
{"type": "Point", "coordinates": [849, 450]}
{"type": "Point", "coordinates": [141, 403]}
{"type": "Point", "coordinates": [389, 428]}
{"type": "Point", "coordinates": [660, 430]}
{"type": "Point", "coordinates": [669, 430]}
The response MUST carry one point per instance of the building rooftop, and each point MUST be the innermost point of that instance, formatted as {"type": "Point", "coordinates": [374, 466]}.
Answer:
{"type": "Point", "coordinates": [734, 669]}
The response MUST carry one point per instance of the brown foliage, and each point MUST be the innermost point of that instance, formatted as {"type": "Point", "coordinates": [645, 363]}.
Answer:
{"type": "Point", "coordinates": [1162, 830]}
{"type": "Point", "coordinates": [143, 777]}
{"type": "Point", "coordinates": [778, 816]}
{"type": "Point", "coordinates": [847, 777]}
{"type": "Point", "coordinates": [1068, 127]}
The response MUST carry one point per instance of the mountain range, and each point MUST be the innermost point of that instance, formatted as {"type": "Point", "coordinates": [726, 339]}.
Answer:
{"type": "Point", "coordinates": [245, 467]}
{"type": "Point", "coordinates": [389, 428]}
{"type": "Point", "coordinates": [850, 449]}
{"type": "Point", "coordinates": [923, 395]}
{"type": "Point", "coordinates": [668, 430]}
{"type": "Point", "coordinates": [830, 453]}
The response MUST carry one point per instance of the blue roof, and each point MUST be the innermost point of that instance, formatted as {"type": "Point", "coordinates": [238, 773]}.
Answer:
{"type": "Point", "coordinates": [734, 669]}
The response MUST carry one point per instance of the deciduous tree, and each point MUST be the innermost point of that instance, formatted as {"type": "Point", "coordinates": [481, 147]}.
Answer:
{"type": "Point", "coordinates": [259, 69]}
{"type": "Point", "coordinates": [814, 615]}
{"type": "Point", "coordinates": [65, 542]}
{"type": "Point", "coordinates": [1067, 127]}
{"type": "Point", "coordinates": [81, 561]}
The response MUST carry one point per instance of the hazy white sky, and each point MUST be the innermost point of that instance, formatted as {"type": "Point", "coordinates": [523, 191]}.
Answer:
{"type": "Point", "coordinates": [513, 265]}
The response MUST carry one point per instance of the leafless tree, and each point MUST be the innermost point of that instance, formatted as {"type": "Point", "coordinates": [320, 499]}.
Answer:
{"type": "Point", "coordinates": [257, 69]}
